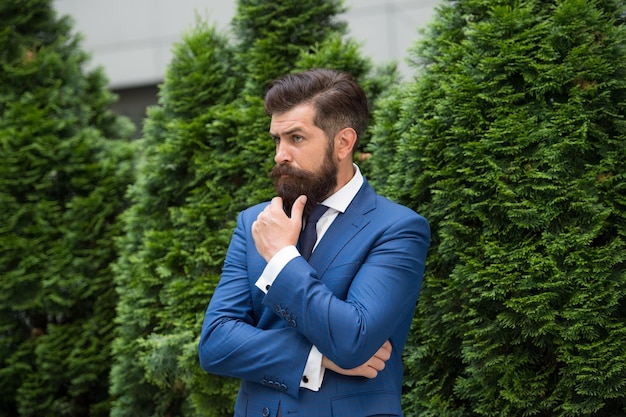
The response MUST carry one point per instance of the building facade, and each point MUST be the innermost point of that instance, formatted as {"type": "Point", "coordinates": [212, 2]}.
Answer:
{"type": "Point", "coordinates": [132, 39]}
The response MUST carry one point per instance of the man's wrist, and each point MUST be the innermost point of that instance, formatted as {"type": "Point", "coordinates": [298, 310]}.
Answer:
{"type": "Point", "coordinates": [275, 266]}
{"type": "Point", "coordinates": [313, 374]}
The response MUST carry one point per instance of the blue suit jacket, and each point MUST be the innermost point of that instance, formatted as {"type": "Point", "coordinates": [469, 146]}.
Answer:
{"type": "Point", "coordinates": [358, 289]}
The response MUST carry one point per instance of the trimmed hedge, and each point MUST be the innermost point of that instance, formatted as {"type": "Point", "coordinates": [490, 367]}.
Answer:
{"type": "Point", "coordinates": [511, 141]}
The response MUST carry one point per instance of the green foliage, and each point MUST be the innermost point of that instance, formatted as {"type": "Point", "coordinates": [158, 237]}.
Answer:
{"type": "Point", "coordinates": [160, 263]}
{"type": "Point", "coordinates": [272, 34]}
{"type": "Point", "coordinates": [61, 189]}
{"type": "Point", "coordinates": [511, 143]}
{"type": "Point", "coordinates": [207, 156]}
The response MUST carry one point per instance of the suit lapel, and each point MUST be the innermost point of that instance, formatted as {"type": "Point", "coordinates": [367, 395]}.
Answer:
{"type": "Point", "coordinates": [343, 229]}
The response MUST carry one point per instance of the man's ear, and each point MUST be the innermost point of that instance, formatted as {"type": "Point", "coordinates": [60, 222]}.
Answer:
{"type": "Point", "coordinates": [344, 143]}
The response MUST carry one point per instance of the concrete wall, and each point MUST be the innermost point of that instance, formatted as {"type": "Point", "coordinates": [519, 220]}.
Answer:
{"type": "Point", "coordinates": [132, 39]}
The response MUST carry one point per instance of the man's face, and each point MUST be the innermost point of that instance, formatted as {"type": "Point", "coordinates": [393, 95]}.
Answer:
{"type": "Point", "coordinates": [305, 163]}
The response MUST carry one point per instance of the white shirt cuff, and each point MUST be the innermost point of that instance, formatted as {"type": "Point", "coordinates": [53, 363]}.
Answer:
{"type": "Point", "coordinates": [313, 371]}
{"type": "Point", "coordinates": [274, 266]}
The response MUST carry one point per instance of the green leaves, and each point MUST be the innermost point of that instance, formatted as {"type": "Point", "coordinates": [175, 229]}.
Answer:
{"type": "Point", "coordinates": [65, 165]}
{"type": "Point", "coordinates": [504, 142]}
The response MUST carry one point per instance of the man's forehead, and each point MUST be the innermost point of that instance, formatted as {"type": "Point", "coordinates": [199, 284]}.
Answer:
{"type": "Point", "coordinates": [298, 119]}
{"type": "Point", "coordinates": [287, 128]}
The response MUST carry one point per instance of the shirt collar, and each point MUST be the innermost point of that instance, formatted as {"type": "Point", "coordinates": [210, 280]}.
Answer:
{"type": "Point", "coordinates": [341, 199]}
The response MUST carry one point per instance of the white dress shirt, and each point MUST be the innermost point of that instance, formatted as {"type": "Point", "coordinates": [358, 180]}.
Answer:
{"type": "Point", "coordinates": [336, 203]}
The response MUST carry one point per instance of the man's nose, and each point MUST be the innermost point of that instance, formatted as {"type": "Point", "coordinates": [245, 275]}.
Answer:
{"type": "Point", "coordinates": [283, 154]}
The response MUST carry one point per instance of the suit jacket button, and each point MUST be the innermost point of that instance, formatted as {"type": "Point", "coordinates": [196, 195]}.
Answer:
{"type": "Point", "coordinates": [265, 412]}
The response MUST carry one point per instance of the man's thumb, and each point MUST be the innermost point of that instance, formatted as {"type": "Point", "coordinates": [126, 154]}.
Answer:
{"type": "Point", "coordinates": [298, 207]}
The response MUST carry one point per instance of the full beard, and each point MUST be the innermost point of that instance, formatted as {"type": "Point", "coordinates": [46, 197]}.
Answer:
{"type": "Point", "coordinates": [317, 186]}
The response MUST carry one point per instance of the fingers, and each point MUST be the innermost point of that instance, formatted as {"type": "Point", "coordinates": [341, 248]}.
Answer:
{"type": "Point", "coordinates": [384, 352]}
{"type": "Point", "coordinates": [273, 230]}
{"type": "Point", "coordinates": [377, 362]}
{"type": "Point", "coordinates": [372, 367]}
{"type": "Point", "coordinates": [369, 372]}
{"type": "Point", "coordinates": [276, 204]}
{"type": "Point", "coordinates": [369, 369]}
{"type": "Point", "coordinates": [268, 213]}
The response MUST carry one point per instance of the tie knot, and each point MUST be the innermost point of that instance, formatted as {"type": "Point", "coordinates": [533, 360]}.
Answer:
{"type": "Point", "coordinates": [317, 212]}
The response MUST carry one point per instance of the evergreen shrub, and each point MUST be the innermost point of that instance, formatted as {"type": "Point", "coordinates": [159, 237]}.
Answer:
{"type": "Point", "coordinates": [65, 163]}
{"type": "Point", "coordinates": [511, 141]}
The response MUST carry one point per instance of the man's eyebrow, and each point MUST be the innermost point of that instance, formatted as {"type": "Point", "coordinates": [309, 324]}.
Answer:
{"type": "Point", "coordinates": [289, 132]}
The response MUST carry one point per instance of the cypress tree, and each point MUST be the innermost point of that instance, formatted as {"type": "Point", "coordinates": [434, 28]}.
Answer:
{"type": "Point", "coordinates": [207, 156]}
{"type": "Point", "coordinates": [64, 168]}
{"type": "Point", "coordinates": [157, 273]}
{"type": "Point", "coordinates": [513, 146]}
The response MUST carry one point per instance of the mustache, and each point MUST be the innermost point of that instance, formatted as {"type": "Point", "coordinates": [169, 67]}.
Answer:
{"type": "Point", "coordinates": [280, 170]}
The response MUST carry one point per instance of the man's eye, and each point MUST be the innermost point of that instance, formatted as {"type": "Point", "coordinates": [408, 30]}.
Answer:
{"type": "Point", "coordinates": [276, 139]}
{"type": "Point", "coordinates": [297, 139]}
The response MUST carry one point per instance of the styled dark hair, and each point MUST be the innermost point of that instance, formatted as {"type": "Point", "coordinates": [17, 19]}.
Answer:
{"type": "Point", "coordinates": [338, 99]}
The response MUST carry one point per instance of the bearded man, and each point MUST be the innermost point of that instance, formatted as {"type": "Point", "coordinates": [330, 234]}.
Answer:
{"type": "Point", "coordinates": [314, 319]}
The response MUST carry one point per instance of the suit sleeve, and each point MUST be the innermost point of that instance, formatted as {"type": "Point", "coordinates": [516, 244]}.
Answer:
{"type": "Point", "coordinates": [382, 293]}
{"type": "Point", "coordinates": [231, 344]}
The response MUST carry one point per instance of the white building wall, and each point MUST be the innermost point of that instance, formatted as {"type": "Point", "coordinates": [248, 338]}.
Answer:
{"type": "Point", "coordinates": [388, 28]}
{"type": "Point", "coordinates": [132, 39]}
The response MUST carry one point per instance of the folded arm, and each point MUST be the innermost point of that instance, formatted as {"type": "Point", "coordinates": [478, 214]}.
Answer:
{"type": "Point", "coordinates": [233, 343]}
{"type": "Point", "coordinates": [381, 296]}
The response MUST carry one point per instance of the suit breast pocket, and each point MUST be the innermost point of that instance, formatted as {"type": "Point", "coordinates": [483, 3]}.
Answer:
{"type": "Point", "coordinates": [339, 277]}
